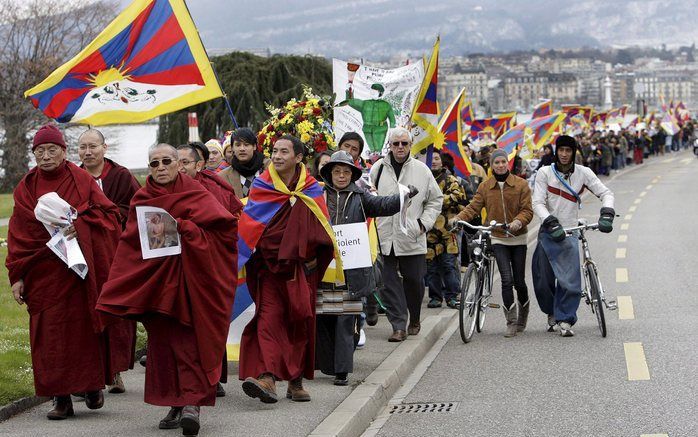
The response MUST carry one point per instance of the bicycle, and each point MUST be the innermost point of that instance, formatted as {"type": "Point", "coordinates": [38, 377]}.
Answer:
{"type": "Point", "coordinates": [476, 286]}
{"type": "Point", "coordinates": [593, 290]}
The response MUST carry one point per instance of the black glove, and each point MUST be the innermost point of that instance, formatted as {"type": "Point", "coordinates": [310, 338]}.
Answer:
{"type": "Point", "coordinates": [554, 228]}
{"type": "Point", "coordinates": [606, 219]}
{"type": "Point", "coordinates": [413, 191]}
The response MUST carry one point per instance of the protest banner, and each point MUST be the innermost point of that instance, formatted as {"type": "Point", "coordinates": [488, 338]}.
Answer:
{"type": "Point", "coordinates": [354, 245]}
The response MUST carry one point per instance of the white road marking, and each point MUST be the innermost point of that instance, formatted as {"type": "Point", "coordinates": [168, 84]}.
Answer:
{"type": "Point", "coordinates": [625, 308]}
{"type": "Point", "coordinates": [628, 217]}
{"type": "Point", "coordinates": [624, 226]}
{"type": "Point", "coordinates": [643, 194]}
{"type": "Point", "coordinates": [621, 252]}
{"type": "Point", "coordinates": [632, 208]}
{"type": "Point", "coordinates": [621, 274]}
{"type": "Point", "coordinates": [622, 238]}
{"type": "Point", "coordinates": [636, 362]}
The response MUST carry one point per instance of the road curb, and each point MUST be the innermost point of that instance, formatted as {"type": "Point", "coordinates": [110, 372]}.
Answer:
{"type": "Point", "coordinates": [353, 416]}
{"type": "Point", "coordinates": [20, 406]}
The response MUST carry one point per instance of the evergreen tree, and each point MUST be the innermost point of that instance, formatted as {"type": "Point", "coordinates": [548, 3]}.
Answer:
{"type": "Point", "coordinates": [250, 82]}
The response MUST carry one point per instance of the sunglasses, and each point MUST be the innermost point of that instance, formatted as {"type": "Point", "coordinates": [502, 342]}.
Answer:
{"type": "Point", "coordinates": [156, 163]}
{"type": "Point", "coordinates": [401, 143]}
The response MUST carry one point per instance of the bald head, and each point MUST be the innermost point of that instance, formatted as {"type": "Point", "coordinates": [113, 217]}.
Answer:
{"type": "Point", "coordinates": [91, 150]}
{"type": "Point", "coordinates": [162, 148]}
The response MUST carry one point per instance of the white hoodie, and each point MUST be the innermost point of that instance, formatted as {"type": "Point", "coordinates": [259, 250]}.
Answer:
{"type": "Point", "coordinates": [550, 197]}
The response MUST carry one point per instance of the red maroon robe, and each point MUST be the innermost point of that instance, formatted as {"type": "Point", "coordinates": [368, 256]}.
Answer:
{"type": "Point", "coordinates": [69, 352]}
{"type": "Point", "coordinates": [280, 339]}
{"type": "Point", "coordinates": [119, 186]}
{"type": "Point", "coordinates": [225, 194]}
{"type": "Point", "coordinates": [184, 301]}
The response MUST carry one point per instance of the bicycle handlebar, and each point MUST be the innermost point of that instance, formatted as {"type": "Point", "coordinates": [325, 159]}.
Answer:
{"type": "Point", "coordinates": [592, 227]}
{"type": "Point", "coordinates": [493, 225]}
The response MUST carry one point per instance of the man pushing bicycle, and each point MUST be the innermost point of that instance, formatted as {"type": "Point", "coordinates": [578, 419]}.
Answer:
{"type": "Point", "coordinates": [557, 278]}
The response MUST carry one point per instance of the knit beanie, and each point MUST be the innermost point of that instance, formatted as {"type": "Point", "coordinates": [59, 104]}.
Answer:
{"type": "Point", "coordinates": [48, 133]}
{"type": "Point", "coordinates": [497, 153]}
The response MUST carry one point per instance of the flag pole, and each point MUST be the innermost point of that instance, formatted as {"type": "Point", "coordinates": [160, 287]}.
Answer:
{"type": "Point", "coordinates": [215, 74]}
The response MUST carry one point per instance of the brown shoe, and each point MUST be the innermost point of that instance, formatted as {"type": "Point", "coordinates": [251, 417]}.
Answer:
{"type": "Point", "coordinates": [262, 388]}
{"type": "Point", "coordinates": [94, 399]}
{"type": "Point", "coordinates": [190, 420]}
{"type": "Point", "coordinates": [296, 392]}
{"type": "Point", "coordinates": [62, 408]}
{"type": "Point", "coordinates": [414, 328]}
{"type": "Point", "coordinates": [117, 386]}
{"type": "Point", "coordinates": [398, 336]}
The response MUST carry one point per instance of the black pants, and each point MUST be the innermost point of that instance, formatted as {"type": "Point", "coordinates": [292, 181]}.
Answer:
{"type": "Point", "coordinates": [403, 296]}
{"type": "Point", "coordinates": [511, 262]}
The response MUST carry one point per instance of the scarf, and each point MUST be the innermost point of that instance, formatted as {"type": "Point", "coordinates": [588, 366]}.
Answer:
{"type": "Point", "coordinates": [249, 168]}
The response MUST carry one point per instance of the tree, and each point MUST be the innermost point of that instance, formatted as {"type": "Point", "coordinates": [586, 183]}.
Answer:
{"type": "Point", "coordinates": [250, 82]}
{"type": "Point", "coordinates": [37, 36]}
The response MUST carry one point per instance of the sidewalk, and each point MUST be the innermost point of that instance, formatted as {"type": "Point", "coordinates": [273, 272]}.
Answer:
{"type": "Point", "coordinates": [128, 415]}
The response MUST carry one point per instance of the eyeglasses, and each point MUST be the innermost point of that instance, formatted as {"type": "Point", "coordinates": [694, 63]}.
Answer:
{"type": "Point", "coordinates": [185, 162]}
{"type": "Point", "coordinates": [401, 143]}
{"type": "Point", "coordinates": [156, 163]}
{"type": "Point", "coordinates": [52, 152]}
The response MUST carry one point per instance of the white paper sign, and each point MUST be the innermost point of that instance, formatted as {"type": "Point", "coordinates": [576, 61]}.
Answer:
{"type": "Point", "coordinates": [69, 252]}
{"type": "Point", "coordinates": [157, 230]}
{"type": "Point", "coordinates": [354, 247]}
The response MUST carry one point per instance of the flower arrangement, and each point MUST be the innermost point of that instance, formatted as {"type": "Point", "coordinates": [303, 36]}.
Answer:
{"type": "Point", "coordinates": [306, 119]}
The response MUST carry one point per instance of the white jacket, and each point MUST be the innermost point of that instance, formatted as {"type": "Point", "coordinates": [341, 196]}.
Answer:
{"type": "Point", "coordinates": [425, 206]}
{"type": "Point", "coordinates": [550, 197]}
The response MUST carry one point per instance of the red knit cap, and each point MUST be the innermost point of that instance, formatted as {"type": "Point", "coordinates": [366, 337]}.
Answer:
{"type": "Point", "coordinates": [48, 133]}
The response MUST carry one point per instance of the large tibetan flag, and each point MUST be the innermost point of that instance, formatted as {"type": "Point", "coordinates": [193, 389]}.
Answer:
{"type": "Point", "coordinates": [615, 116]}
{"type": "Point", "coordinates": [149, 61]}
{"type": "Point", "coordinates": [543, 109]}
{"type": "Point", "coordinates": [669, 124]}
{"type": "Point", "coordinates": [425, 115]}
{"type": "Point", "coordinates": [532, 134]}
{"type": "Point", "coordinates": [449, 136]}
{"type": "Point", "coordinates": [493, 127]}
{"type": "Point", "coordinates": [599, 119]}
{"type": "Point", "coordinates": [582, 113]}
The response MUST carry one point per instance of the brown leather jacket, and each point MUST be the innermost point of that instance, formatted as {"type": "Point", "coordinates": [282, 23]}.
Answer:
{"type": "Point", "coordinates": [513, 202]}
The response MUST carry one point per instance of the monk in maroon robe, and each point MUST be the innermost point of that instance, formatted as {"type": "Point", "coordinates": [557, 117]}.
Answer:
{"type": "Point", "coordinates": [285, 269]}
{"type": "Point", "coordinates": [191, 164]}
{"type": "Point", "coordinates": [69, 351]}
{"type": "Point", "coordinates": [184, 301]}
{"type": "Point", "coordinates": [119, 186]}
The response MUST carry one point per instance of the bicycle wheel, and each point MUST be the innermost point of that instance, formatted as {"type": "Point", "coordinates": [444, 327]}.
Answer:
{"type": "Point", "coordinates": [467, 310]}
{"type": "Point", "coordinates": [485, 290]}
{"type": "Point", "coordinates": [596, 303]}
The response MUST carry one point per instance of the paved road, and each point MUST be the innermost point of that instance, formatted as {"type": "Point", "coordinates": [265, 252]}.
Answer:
{"type": "Point", "coordinates": [540, 384]}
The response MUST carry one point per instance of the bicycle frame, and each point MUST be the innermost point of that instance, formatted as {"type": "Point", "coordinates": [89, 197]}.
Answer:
{"type": "Point", "coordinates": [588, 261]}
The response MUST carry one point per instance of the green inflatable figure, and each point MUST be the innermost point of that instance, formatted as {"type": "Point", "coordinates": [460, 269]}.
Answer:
{"type": "Point", "coordinates": [376, 114]}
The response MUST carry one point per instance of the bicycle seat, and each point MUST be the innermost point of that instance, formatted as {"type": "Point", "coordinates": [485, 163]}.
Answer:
{"type": "Point", "coordinates": [581, 222]}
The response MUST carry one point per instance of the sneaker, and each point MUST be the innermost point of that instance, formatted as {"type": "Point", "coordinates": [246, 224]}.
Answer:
{"type": "Point", "coordinates": [566, 329]}
{"type": "Point", "coordinates": [452, 303]}
{"type": "Point", "coordinates": [362, 340]}
{"type": "Point", "coordinates": [434, 303]}
{"type": "Point", "coordinates": [552, 324]}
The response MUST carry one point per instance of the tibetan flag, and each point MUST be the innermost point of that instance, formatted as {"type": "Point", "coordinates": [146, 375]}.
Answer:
{"type": "Point", "coordinates": [583, 113]}
{"type": "Point", "coordinates": [669, 124]}
{"type": "Point", "coordinates": [614, 116]}
{"type": "Point", "coordinates": [425, 114]}
{"type": "Point", "coordinates": [449, 136]}
{"type": "Point", "coordinates": [543, 109]}
{"type": "Point", "coordinates": [532, 134]}
{"type": "Point", "coordinates": [493, 127]}
{"type": "Point", "coordinates": [149, 61]}
{"type": "Point", "coordinates": [599, 120]}
{"type": "Point", "coordinates": [467, 116]}
{"type": "Point", "coordinates": [631, 123]}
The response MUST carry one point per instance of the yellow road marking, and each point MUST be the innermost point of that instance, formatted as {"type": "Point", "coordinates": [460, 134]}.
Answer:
{"type": "Point", "coordinates": [622, 238]}
{"type": "Point", "coordinates": [635, 362]}
{"type": "Point", "coordinates": [637, 201]}
{"type": "Point", "coordinates": [669, 160]}
{"type": "Point", "coordinates": [632, 208]}
{"type": "Point", "coordinates": [649, 187]}
{"type": "Point", "coordinates": [624, 226]}
{"type": "Point", "coordinates": [654, 435]}
{"type": "Point", "coordinates": [625, 308]}
{"type": "Point", "coordinates": [621, 274]}
{"type": "Point", "coordinates": [687, 160]}
{"type": "Point", "coordinates": [628, 217]}
{"type": "Point", "coordinates": [620, 252]}
{"type": "Point", "coordinates": [643, 194]}
{"type": "Point", "coordinates": [655, 180]}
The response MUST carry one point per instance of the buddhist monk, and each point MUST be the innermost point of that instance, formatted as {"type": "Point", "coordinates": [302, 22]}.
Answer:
{"type": "Point", "coordinates": [184, 301]}
{"type": "Point", "coordinates": [119, 186]}
{"type": "Point", "coordinates": [285, 223]}
{"type": "Point", "coordinates": [69, 351]}
{"type": "Point", "coordinates": [192, 165]}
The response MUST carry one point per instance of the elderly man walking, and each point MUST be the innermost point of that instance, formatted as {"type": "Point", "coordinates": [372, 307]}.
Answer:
{"type": "Point", "coordinates": [119, 186]}
{"type": "Point", "coordinates": [405, 252]}
{"type": "Point", "coordinates": [69, 351]}
{"type": "Point", "coordinates": [184, 300]}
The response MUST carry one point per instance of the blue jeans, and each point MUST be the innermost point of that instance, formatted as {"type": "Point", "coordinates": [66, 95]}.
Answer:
{"type": "Point", "coordinates": [442, 277]}
{"type": "Point", "coordinates": [557, 277]}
